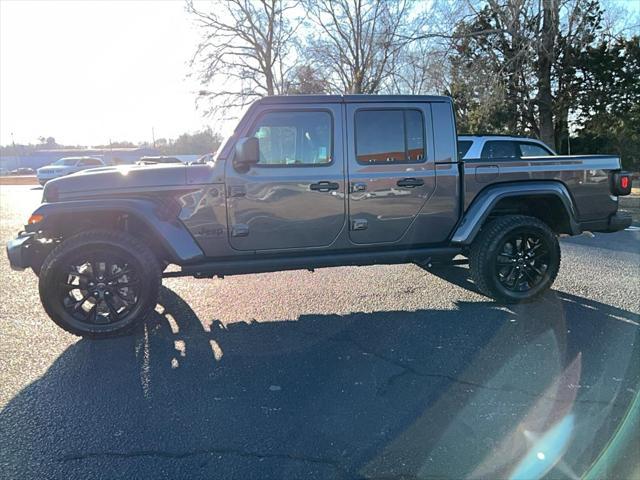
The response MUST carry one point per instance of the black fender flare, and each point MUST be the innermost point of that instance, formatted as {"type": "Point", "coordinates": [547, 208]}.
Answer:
{"type": "Point", "coordinates": [169, 230]}
{"type": "Point", "coordinates": [486, 200]}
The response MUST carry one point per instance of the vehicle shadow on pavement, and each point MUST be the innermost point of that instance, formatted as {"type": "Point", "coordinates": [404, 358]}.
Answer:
{"type": "Point", "coordinates": [382, 394]}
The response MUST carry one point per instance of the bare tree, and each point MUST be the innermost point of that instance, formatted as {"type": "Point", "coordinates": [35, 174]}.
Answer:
{"type": "Point", "coordinates": [358, 42]}
{"type": "Point", "coordinates": [306, 79]}
{"type": "Point", "coordinates": [244, 51]}
{"type": "Point", "coordinates": [423, 66]}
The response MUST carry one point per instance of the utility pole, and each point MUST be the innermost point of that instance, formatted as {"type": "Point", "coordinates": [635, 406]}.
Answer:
{"type": "Point", "coordinates": [153, 137]}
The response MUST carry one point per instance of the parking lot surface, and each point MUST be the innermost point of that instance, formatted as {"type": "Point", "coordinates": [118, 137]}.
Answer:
{"type": "Point", "coordinates": [364, 372]}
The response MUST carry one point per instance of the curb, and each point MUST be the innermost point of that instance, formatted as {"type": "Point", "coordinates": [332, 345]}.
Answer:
{"type": "Point", "coordinates": [19, 180]}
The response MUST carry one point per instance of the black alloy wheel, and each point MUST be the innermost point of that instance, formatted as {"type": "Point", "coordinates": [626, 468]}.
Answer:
{"type": "Point", "coordinates": [100, 283]}
{"type": "Point", "coordinates": [521, 261]}
{"type": "Point", "coordinates": [99, 289]}
{"type": "Point", "coordinates": [514, 258]}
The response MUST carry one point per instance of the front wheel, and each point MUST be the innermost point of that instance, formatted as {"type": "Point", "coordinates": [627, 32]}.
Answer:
{"type": "Point", "coordinates": [515, 258]}
{"type": "Point", "coordinates": [100, 283]}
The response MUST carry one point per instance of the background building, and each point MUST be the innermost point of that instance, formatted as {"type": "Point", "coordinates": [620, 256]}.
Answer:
{"type": "Point", "coordinates": [111, 156]}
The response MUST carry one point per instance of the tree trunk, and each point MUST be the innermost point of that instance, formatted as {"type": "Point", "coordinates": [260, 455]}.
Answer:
{"type": "Point", "coordinates": [545, 59]}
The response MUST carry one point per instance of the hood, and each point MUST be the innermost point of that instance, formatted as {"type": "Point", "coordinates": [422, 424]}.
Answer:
{"type": "Point", "coordinates": [123, 178]}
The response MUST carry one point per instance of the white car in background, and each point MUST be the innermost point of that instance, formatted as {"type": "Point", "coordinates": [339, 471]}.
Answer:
{"type": "Point", "coordinates": [486, 147]}
{"type": "Point", "coordinates": [67, 166]}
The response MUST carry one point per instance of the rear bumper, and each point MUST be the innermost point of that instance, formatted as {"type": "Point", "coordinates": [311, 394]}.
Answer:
{"type": "Point", "coordinates": [616, 222]}
{"type": "Point", "coordinates": [19, 251]}
{"type": "Point", "coordinates": [619, 222]}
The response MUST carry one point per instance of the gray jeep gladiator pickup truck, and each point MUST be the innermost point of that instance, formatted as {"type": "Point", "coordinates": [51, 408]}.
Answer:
{"type": "Point", "coordinates": [308, 182]}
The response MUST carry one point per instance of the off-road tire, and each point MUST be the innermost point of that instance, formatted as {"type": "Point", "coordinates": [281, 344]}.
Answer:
{"type": "Point", "coordinates": [484, 252]}
{"type": "Point", "coordinates": [108, 244]}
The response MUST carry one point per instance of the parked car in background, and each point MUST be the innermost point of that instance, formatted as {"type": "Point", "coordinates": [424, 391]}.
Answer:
{"type": "Point", "coordinates": [203, 159]}
{"type": "Point", "coordinates": [22, 171]}
{"type": "Point", "coordinates": [67, 166]}
{"type": "Point", "coordinates": [156, 160]}
{"type": "Point", "coordinates": [500, 146]}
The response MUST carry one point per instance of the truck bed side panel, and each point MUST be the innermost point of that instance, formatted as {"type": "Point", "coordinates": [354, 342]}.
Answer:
{"type": "Point", "coordinates": [586, 177]}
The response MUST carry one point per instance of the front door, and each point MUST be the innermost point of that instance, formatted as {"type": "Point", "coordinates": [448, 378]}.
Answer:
{"type": "Point", "coordinates": [295, 196]}
{"type": "Point", "coordinates": [391, 169]}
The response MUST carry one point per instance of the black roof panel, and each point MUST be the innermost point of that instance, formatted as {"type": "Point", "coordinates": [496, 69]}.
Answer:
{"type": "Point", "coordinates": [287, 99]}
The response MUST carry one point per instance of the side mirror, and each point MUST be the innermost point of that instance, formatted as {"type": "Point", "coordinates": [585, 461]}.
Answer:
{"type": "Point", "coordinates": [247, 152]}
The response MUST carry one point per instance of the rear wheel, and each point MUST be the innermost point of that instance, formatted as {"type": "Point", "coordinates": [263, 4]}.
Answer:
{"type": "Point", "coordinates": [515, 258]}
{"type": "Point", "coordinates": [100, 283]}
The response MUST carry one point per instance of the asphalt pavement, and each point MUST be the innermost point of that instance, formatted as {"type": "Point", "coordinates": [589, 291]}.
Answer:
{"type": "Point", "coordinates": [363, 372]}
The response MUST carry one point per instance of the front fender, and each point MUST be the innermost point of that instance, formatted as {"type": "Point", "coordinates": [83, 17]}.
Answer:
{"type": "Point", "coordinates": [486, 200]}
{"type": "Point", "coordinates": [168, 229]}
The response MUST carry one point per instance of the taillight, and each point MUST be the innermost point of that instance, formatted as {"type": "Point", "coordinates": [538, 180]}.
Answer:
{"type": "Point", "coordinates": [624, 182]}
{"type": "Point", "coordinates": [621, 183]}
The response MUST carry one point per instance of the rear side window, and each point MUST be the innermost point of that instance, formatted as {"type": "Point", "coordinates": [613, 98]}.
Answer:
{"type": "Point", "coordinates": [533, 150]}
{"type": "Point", "coordinates": [463, 148]}
{"type": "Point", "coordinates": [294, 138]}
{"type": "Point", "coordinates": [90, 161]}
{"type": "Point", "coordinates": [500, 149]}
{"type": "Point", "coordinates": [389, 136]}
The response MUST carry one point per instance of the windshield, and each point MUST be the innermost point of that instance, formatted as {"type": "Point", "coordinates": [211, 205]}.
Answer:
{"type": "Point", "coordinates": [66, 161]}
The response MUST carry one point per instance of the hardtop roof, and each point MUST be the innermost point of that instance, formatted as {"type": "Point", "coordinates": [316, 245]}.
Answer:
{"type": "Point", "coordinates": [289, 99]}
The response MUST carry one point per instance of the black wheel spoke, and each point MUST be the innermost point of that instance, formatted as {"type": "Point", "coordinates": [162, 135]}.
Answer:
{"type": "Point", "coordinates": [531, 277]}
{"type": "Point", "coordinates": [118, 275]}
{"type": "Point", "coordinates": [92, 314]}
{"type": "Point", "coordinates": [78, 304]}
{"type": "Point", "coordinates": [112, 310]}
{"type": "Point", "coordinates": [505, 258]}
{"type": "Point", "coordinates": [69, 286]}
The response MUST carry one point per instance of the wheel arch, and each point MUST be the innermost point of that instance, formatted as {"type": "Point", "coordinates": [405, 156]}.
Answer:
{"type": "Point", "coordinates": [549, 201]}
{"type": "Point", "coordinates": [154, 223]}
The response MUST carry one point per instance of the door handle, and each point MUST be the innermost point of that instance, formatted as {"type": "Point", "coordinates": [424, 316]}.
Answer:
{"type": "Point", "coordinates": [410, 182]}
{"type": "Point", "coordinates": [324, 186]}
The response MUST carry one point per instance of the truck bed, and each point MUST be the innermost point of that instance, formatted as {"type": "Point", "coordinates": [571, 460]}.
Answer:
{"type": "Point", "coordinates": [585, 176]}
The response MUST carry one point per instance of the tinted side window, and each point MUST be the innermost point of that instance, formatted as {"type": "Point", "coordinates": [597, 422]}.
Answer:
{"type": "Point", "coordinates": [463, 148]}
{"type": "Point", "coordinates": [500, 149]}
{"type": "Point", "coordinates": [294, 138]}
{"type": "Point", "coordinates": [415, 135]}
{"type": "Point", "coordinates": [389, 136]}
{"type": "Point", "coordinates": [90, 161]}
{"type": "Point", "coordinates": [533, 150]}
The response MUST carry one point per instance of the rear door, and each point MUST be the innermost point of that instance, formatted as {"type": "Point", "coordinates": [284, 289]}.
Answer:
{"type": "Point", "coordinates": [294, 197]}
{"type": "Point", "coordinates": [390, 174]}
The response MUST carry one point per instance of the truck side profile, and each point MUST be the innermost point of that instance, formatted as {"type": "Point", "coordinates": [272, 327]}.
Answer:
{"type": "Point", "coordinates": [307, 182]}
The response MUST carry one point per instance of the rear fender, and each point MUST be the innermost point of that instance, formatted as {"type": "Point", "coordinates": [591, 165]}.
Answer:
{"type": "Point", "coordinates": [486, 201]}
